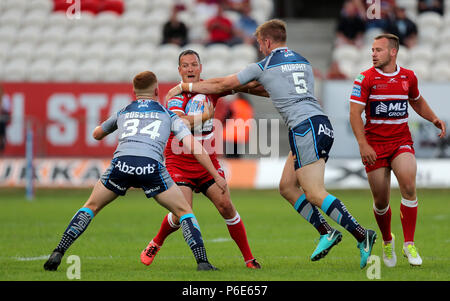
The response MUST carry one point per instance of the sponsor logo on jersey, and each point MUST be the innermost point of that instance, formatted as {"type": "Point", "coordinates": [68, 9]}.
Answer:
{"type": "Point", "coordinates": [143, 103]}
{"type": "Point", "coordinates": [405, 85]}
{"type": "Point", "coordinates": [392, 81]}
{"type": "Point", "coordinates": [395, 108]}
{"type": "Point", "coordinates": [174, 103]}
{"type": "Point", "coordinates": [356, 90]}
{"type": "Point", "coordinates": [360, 78]}
{"type": "Point", "coordinates": [381, 108]}
{"type": "Point", "coordinates": [288, 53]}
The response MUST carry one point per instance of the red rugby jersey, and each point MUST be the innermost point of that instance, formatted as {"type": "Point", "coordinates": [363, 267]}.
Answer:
{"type": "Point", "coordinates": [205, 135]}
{"type": "Point", "coordinates": [385, 97]}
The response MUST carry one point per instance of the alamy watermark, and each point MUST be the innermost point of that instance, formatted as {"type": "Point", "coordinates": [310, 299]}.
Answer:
{"type": "Point", "coordinates": [373, 9]}
{"type": "Point", "coordinates": [73, 12]}
{"type": "Point", "coordinates": [259, 137]}
{"type": "Point", "coordinates": [373, 267]}
{"type": "Point", "coordinates": [74, 268]}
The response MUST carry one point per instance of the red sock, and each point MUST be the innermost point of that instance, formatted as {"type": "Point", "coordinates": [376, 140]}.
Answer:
{"type": "Point", "coordinates": [408, 216]}
{"type": "Point", "coordinates": [383, 218]}
{"type": "Point", "coordinates": [239, 235]}
{"type": "Point", "coordinates": [167, 227]}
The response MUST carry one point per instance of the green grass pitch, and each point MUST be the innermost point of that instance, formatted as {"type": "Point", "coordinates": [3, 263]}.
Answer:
{"type": "Point", "coordinates": [279, 237]}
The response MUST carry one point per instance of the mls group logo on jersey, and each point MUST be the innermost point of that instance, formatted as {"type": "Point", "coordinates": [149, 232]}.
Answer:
{"type": "Point", "coordinates": [395, 108]}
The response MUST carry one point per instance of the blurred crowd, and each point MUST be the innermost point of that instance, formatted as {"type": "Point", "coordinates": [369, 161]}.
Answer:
{"type": "Point", "coordinates": [220, 28]}
{"type": "Point", "coordinates": [360, 21]}
{"type": "Point", "coordinates": [355, 20]}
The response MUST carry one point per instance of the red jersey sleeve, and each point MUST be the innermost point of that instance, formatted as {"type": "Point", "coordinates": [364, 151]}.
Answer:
{"type": "Point", "coordinates": [176, 103]}
{"type": "Point", "coordinates": [361, 90]}
{"type": "Point", "coordinates": [413, 87]}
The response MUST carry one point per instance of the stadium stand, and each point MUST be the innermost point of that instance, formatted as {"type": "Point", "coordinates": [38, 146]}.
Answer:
{"type": "Point", "coordinates": [118, 35]}
{"type": "Point", "coordinates": [429, 57]}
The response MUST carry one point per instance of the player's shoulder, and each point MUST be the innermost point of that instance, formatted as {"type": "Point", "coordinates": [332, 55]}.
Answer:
{"type": "Point", "coordinates": [282, 56]}
{"type": "Point", "coordinates": [407, 72]}
{"type": "Point", "coordinates": [177, 101]}
{"type": "Point", "coordinates": [366, 75]}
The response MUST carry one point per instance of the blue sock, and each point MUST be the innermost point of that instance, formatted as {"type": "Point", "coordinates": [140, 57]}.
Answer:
{"type": "Point", "coordinates": [193, 237]}
{"type": "Point", "coordinates": [335, 209]}
{"type": "Point", "coordinates": [76, 227]}
{"type": "Point", "coordinates": [312, 215]}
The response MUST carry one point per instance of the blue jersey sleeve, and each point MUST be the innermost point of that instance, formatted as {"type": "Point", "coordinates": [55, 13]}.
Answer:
{"type": "Point", "coordinates": [110, 124]}
{"type": "Point", "coordinates": [250, 73]}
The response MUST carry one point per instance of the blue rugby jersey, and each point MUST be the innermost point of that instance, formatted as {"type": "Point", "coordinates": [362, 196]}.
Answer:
{"type": "Point", "coordinates": [144, 128]}
{"type": "Point", "coordinates": [288, 78]}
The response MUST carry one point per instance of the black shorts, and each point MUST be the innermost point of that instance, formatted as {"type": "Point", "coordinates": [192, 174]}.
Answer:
{"type": "Point", "coordinates": [139, 172]}
{"type": "Point", "coordinates": [311, 140]}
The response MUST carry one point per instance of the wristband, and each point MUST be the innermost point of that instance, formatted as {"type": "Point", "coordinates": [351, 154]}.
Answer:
{"type": "Point", "coordinates": [190, 87]}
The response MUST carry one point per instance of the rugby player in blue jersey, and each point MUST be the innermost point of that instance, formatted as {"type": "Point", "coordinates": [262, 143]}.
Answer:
{"type": "Point", "coordinates": [143, 127]}
{"type": "Point", "coordinates": [288, 80]}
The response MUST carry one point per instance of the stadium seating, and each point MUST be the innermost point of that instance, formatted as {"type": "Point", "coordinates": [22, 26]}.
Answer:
{"type": "Point", "coordinates": [118, 34]}
{"type": "Point", "coordinates": [431, 55]}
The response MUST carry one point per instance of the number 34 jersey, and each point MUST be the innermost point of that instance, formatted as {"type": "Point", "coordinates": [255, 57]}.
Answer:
{"type": "Point", "coordinates": [289, 79]}
{"type": "Point", "coordinates": [385, 97]}
{"type": "Point", "coordinates": [144, 126]}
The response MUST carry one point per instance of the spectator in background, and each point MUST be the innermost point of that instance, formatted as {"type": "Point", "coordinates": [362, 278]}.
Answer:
{"type": "Point", "coordinates": [220, 28]}
{"type": "Point", "coordinates": [5, 114]}
{"type": "Point", "coordinates": [386, 21]}
{"type": "Point", "coordinates": [431, 5]}
{"type": "Point", "coordinates": [246, 26]}
{"type": "Point", "coordinates": [174, 30]}
{"type": "Point", "coordinates": [237, 5]}
{"type": "Point", "coordinates": [351, 26]}
{"type": "Point", "coordinates": [404, 28]}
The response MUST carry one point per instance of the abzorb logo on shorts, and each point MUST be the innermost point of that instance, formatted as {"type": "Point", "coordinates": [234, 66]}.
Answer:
{"type": "Point", "coordinates": [391, 109]}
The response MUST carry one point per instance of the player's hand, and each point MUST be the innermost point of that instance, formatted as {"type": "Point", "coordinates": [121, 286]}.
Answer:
{"type": "Point", "coordinates": [440, 125]}
{"type": "Point", "coordinates": [172, 92]}
{"type": "Point", "coordinates": [222, 183]}
{"type": "Point", "coordinates": [368, 154]}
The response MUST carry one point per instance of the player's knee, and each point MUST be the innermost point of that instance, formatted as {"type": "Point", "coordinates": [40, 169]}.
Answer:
{"type": "Point", "coordinates": [408, 190]}
{"type": "Point", "coordinates": [315, 197]}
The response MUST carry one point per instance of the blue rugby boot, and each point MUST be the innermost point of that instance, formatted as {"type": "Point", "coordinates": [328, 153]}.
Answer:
{"type": "Point", "coordinates": [326, 242]}
{"type": "Point", "coordinates": [365, 247]}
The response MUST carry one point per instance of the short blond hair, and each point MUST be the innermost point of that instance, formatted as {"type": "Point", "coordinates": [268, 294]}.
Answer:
{"type": "Point", "coordinates": [394, 41]}
{"type": "Point", "coordinates": [274, 29]}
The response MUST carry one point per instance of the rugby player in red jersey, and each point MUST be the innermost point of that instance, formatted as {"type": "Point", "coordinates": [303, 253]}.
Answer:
{"type": "Point", "coordinates": [188, 174]}
{"type": "Point", "coordinates": [383, 92]}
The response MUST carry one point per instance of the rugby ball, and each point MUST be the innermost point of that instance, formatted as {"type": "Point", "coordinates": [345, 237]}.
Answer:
{"type": "Point", "coordinates": [196, 104]}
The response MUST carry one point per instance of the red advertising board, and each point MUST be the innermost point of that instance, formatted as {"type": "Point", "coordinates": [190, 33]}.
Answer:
{"type": "Point", "coordinates": [63, 116]}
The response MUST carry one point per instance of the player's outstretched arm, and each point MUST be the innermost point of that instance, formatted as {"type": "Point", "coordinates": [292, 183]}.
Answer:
{"type": "Point", "coordinates": [203, 158]}
{"type": "Point", "coordinates": [254, 88]}
{"type": "Point", "coordinates": [423, 109]}
{"type": "Point", "coordinates": [210, 86]}
{"type": "Point", "coordinates": [99, 133]}
{"type": "Point", "coordinates": [368, 154]}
